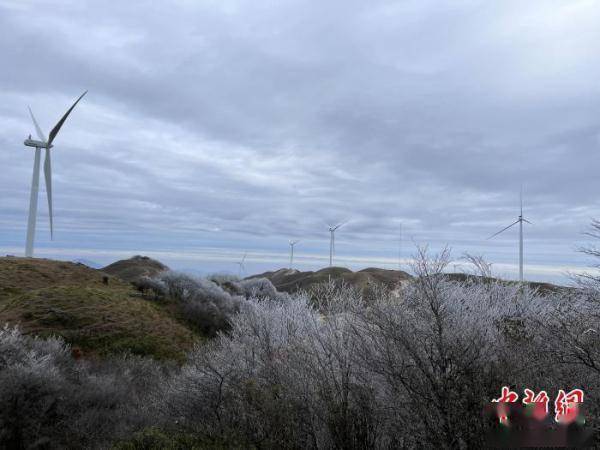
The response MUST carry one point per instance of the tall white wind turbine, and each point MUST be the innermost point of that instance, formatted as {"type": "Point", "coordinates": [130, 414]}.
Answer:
{"type": "Point", "coordinates": [46, 144]}
{"type": "Point", "coordinates": [332, 241]}
{"type": "Point", "coordinates": [519, 221]}
{"type": "Point", "coordinates": [292, 244]}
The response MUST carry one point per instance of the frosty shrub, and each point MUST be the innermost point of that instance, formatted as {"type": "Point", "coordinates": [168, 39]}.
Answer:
{"type": "Point", "coordinates": [209, 303]}
{"type": "Point", "coordinates": [260, 288]}
{"type": "Point", "coordinates": [336, 367]}
{"type": "Point", "coordinates": [147, 285]}
{"type": "Point", "coordinates": [203, 302]}
{"type": "Point", "coordinates": [49, 400]}
{"type": "Point", "coordinates": [333, 369]}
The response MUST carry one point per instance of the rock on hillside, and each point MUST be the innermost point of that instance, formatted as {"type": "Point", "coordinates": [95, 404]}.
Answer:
{"type": "Point", "coordinates": [290, 280]}
{"type": "Point", "coordinates": [134, 268]}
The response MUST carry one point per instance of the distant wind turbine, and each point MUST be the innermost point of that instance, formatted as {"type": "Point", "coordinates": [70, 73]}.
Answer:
{"type": "Point", "coordinates": [242, 268]}
{"type": "Point", "coordinates": [35, 181]}
{"type": "Point", "coordinates": [519, 221]}
{"type": "Point", "coordinates": [332, 241]}
{"type": "Point", "coordinates": [400, 248]}
{"type": "Point", "coordinates": [292, 243]}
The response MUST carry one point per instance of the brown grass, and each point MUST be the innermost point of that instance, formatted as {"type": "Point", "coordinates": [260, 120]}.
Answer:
{"type": "Point", "coordinates": [46, 297]}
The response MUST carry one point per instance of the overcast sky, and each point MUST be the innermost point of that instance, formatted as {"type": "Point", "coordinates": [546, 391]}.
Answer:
{"type": "Point", "coordinates": [217, 127]}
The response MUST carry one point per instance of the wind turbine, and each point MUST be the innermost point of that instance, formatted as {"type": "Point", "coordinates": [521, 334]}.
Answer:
{"type": "Point", "coordinates": [35, 181]}
{"type": "Point", "coordinates": [519, 221]}
{"type": "Point", "coordinates": [241, 264]}
{"type": "Point", "coordinates": [332, 240]}
{"type": "Point", "coordinates": [400, 248]}
{"type": "Point", "coordinates": [292, 243]}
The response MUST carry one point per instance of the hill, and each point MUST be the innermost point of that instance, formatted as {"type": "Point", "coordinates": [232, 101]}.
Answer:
{"type": "Point", "coordinates": [543, 288]}
{"type": "Point", "coordinates": [98, 313]}
{"type": "Point", "coordinates": [134, 268]}
{"type": "Point", "coordinates": [88, 262]}
{"type": "Point", "coordinates": [290, 280]}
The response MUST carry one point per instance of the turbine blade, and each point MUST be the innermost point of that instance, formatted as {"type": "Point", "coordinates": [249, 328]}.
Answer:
{"type": "Point", "coordinates": [48, 175]}
{"type": "Point", "coordinates": [244, 258]}
{"type": "Point", "coordinates": [56, 128]}
{"type": "Point", "coordinates": [521, 199]}
{"type": "Point", "coordinates": [525, 220]}
{"type": "Point", "coordinates": [341, 224]}
{"type": "Point", "coordinates": [503, 229]}
{"type": "Point", "coordinates": [38, 130]}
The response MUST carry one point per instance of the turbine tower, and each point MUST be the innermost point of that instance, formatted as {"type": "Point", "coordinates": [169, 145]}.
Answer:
{"type": "Point", "coordinates": [332, 241]}
{"type": "Point", "coordinates": [35, 181]}
{"type": "Point", "coordinates": [519, 221]}
{"type": "Point", "coordinates": [292, 243]}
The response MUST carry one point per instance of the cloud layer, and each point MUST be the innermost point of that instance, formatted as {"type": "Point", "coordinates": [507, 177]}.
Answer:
{"type": "Point", "coordinates": [238, 125]}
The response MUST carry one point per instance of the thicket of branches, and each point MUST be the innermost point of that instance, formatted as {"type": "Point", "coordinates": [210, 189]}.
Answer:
{"type": "Point", "coordinates": [207, 303]}
{"type": "Point", "coordinates": [49, 399]}
{"type": "Point", "coordinates": [332, 368]}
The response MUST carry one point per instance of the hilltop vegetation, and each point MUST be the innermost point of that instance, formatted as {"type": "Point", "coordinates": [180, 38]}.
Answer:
{"type": "Point", "coordinates": [290, 280]}
{"type": "Point", "coordinates": [332, 368]}
{"type": "Point", "coordinates": [95, 312]}
{"type": "Point", "coordinates": [410, 363]}
{"type": "Point", "coordinates": [134, 268]}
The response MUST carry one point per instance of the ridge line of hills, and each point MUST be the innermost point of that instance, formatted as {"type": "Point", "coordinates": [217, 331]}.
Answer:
{"type": "Point", "coordinates": [100, 311]}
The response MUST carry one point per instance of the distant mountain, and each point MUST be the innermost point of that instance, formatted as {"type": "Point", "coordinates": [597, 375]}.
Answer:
{"type": "Point", "coordinates": [287, 280]}
{"type": "Point", "coordinates": [292, 280]}
{"type": "Point", "coordinates": [87, 262]}
{"type": "Point", "coordinates": [544, 288]}
{"type": "Point", "coordinates": [133, 268]}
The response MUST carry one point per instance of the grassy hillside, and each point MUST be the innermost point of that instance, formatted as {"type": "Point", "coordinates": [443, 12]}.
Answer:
{"type": "Point", "coordinates": [46, 297]}
{"type": "Point", "coordinates": [287, 280]}
{"type": "Point", "coordinates": [133, 268]}
{"type": "Point", "coordinates": [543, 288]}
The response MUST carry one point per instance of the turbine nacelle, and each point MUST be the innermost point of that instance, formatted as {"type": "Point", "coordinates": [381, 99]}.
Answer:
{"type": "Point", "coordinates": [37, 144]}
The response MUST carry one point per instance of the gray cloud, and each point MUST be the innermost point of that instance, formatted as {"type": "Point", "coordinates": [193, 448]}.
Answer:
{"type": "Point", "coordinates": [236, 125]}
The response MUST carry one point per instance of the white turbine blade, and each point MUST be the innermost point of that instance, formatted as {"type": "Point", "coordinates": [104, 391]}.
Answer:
{"type": "Point", "coordinates": [244, 258]}
{"type": "Point", "coordinates": [38, 130]}
{"type": "Point", "coordinates": [504, 229]}
{"type": "Point", "coordinates": [525, 220]}
{"type": "Point", "coordinates": [521, 199]}
{"type": "Point", "coordinates": [56, 128]}
{"type": "Point", "coordinates": [341, 224]}
{"type": "Point", "coordinates": [48, 175]}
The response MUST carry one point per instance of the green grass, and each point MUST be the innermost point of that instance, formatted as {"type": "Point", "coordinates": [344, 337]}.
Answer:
{"type": "Point", "coordinates": [99, 319]}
